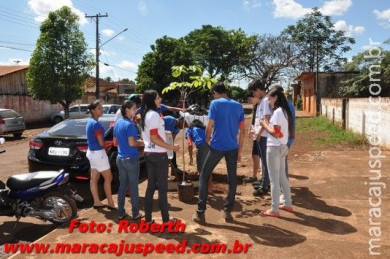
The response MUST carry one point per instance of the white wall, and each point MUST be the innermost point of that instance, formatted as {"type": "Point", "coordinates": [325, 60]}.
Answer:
{"type": "Point", "coordinates": [362, 116]}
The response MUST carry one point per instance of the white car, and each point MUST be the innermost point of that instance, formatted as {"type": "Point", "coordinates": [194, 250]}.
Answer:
{"type": "Point", "coordinates": [77, 111]}
{"type": "Point", "coordinates": [11, 122]}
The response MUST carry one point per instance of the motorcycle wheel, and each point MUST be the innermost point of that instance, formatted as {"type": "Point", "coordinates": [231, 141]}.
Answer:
{"type": "Point", "coordinates": [64, 206]}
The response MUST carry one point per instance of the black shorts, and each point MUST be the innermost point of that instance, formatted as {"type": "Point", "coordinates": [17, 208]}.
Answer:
{"type": "Point", "coordinates": [255, 148]}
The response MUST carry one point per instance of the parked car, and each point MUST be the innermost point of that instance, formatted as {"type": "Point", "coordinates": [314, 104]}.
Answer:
{"type": "Point", "coordinates": [110, 108]}
{"type": "Point", "coordinates": [11, 122]}
{"type": "Point", "coordinates": [77, 111]}
{"type": "Point", "coordinates": [64, 146]}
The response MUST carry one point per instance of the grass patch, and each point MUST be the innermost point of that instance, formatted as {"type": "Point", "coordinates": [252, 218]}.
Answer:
{"type": "Point", "coordinates": [326, 134]}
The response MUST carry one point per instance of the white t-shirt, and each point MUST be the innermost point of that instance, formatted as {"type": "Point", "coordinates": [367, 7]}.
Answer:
{"type": "Point", "coordinates": [280, 119]}
{"type": "Point", "coordinates": [263, 109]}
{"type": "Point", "coordinates": [153, 122]}
{"type": "Point", "coordinates": [118, 115]}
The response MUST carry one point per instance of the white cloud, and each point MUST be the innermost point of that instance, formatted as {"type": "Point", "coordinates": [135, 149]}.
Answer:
{"type": "Point", "coordinates": [248, 5]}
{"type": "Point", "coordinates": [292, 9]}
{"type": "Point", "coordinates": [108, 32]}
{"type": "Point", "coordinates": [349, 30]}
{"type": "Point", "coordinates": [371, 44]}
{"type": "Point", "coordinates": [143, 7]}
{"type": "Point", "coordinates": [335, 7]}
{"type": "Point", "coordinates": [289, 9]}
{"type": "Point", "coordinates": [107, 53]}
{"type": "Point", "coordinates": [42, 8]}
{"type": "Point", "coordinates": [383, 15]}
{"type": "Point", "coordinates": [127, 64]}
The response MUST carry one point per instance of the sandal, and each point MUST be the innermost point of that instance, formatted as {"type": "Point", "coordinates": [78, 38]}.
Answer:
{"type": "Point", "coordinates": [139, 216]}
{"type": "Point", "coordinates": [286, 208]}
{"type": "Point", "coordinates": [96, 207]}
{"type": "Point", "coordinates": [111, 207]}
{"type": "Point", "coordinates": [269, 213]}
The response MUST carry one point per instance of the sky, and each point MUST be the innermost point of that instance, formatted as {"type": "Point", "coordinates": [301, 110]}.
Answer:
{"type": "Point", "coordinates": [147, 20]}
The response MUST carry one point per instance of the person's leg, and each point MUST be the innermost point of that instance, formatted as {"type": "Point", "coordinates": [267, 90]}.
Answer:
{"type": "Point", "coordinates": [212, 159]}
{"type": "Point", "coordinates": [174, 162]}
{"type": "Point", "coordinates": [201, 154]}
{"type": "Point", "coordinates": [288, 146]}
{"type": "Point", "coordinates": [152, 180]}
{"type": "Point", "coordinates": [284, 182]}
{"type": "Point", "coordinates": [161, 163]}
{"type": "Point", "coordinates": [263, 154]}
{"type": "Point", "coordinates": [123, 183]}
{"type": "Point", "coordinates": [273, 162]}
{"type": "Point", "coordinates": [231, 164]}
{"type": "Point", "coordinates": [107, 175]}
{"type": "Point", "coordinates": [133, 174]}
{"type": "Point", "coordinates": [93, 184]}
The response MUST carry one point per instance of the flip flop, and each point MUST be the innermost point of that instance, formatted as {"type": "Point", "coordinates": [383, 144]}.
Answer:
{"type": "Point", "coordinates": [285, 208]}
{"type": "Point", "coordinates": [99, 206]}
{"type": "Point", "coordinates": [269, 213]}
{"type": "Point", "coordinates": [111, 207]}
{"type": "Point", "coordinates": [139, 216]}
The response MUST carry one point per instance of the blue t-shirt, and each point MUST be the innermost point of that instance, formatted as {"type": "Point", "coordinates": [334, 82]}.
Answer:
{"type": "Point", "coordinates": [123, 129]}
{"type": "Point", "coordinates": [93, 129]}
{"type": "Point", "coordinates": [197, 135]}
{"type": "Point", "coordinates": [292, 109]}
{"type": "Point", "coordinates": [160, 110]}
{"type": "Point", "coordinates": [227, 115]}
{"type": "Point", "coordinates": [170, 124]}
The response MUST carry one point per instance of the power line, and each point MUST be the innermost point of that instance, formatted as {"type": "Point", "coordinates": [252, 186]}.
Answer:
{"type": "Point", "coordinates": [7, 47]}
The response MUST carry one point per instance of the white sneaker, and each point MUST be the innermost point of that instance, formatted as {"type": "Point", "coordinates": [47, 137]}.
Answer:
{"type": "Point", "coordinates": [281, 199]}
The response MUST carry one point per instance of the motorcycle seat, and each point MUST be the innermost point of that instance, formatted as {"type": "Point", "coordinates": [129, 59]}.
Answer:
{"type": "Point", "coordinates": [29, 180]}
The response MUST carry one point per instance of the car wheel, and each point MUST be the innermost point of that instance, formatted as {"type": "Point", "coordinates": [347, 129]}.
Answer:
{"type": "Point", "coordinates": [17, 135]}
{"type": "Point", "coordinates": [58, 119]}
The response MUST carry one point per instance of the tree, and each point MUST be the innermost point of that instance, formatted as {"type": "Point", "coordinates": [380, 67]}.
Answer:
{"type": "Point", "coordinates": [154, 72]}
{"type": "Point", "coordinates": [197, 81]}
{"type": "Point", "coordinates": [220, 52]}
{"type": "Point", "coordinates": [237, 93]}
{"type": "Point", "coordinates": [316, 37]}
{"type": "Point", "coordinates": [60, 62]}
{"type": "Point", "coordinates": [272, 56]}
{"type": "Point", "coordinates": [374, 67]}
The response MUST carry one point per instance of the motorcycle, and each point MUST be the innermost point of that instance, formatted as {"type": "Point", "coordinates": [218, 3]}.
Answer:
{"type": "Point", "coordinates": [46, 195]}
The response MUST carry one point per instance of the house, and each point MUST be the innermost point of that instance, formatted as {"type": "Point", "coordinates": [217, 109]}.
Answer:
{"type": "Point", "coordinates": [328, 86]}
{"type": "Point", "coordinates": [14, 95]}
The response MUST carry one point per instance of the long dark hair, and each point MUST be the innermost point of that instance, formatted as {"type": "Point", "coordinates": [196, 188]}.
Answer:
{"type": "Point", "coordinates": [196, 123]}
{"type": "Point", "coordinates": [126, 104]}
{"type": "Point", "coordinates": [147, 104]}
{"type": "Point", "coordinates": [281, 102]}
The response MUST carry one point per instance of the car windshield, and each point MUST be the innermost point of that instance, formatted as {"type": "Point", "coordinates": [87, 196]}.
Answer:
{"type": "Point", "coordinates": [75, 127]}
{"type": "Point", "coordinates": [8, 114]}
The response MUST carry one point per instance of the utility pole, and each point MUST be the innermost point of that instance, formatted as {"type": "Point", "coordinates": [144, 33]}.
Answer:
{"type": "Point", "coordinates": [97, 16]}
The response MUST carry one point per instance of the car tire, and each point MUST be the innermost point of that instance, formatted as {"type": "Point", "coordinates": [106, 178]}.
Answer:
{"type": "Point", "coordinates": [57, 119]}
{"type": "Point", "coordinates": [18, 135]}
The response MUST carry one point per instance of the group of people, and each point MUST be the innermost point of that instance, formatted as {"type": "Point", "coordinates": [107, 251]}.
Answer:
{"type": "Point", "coordinates": [222, 137]}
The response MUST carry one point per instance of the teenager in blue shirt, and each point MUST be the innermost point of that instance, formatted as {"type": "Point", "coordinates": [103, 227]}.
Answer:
{"type": "Point", "coordinates": [226, 120]}
{"type": "Point", "coordinates": [97, 156]}
{"type": "Point", "coordinates": [126, 135]}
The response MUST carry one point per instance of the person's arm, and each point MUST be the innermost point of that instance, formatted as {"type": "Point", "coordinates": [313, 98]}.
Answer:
{"type": "Point", "coordinates": [135, 143]}
{"type": "Point", "coordinates": [209, 130]}
{"type": "Point", "coordinates": [155, 139]}
{"type": "Point", "coordinates": [275, 132]}
{"type": "Point", "coordinates": [175, 109]}
{"type": "Point", "coordinates": [241, 140]}
{"type": "Point", "coordinates": [190, 150]}
{"type": "Point", "coordinates": [100, 139]}
{"type": "Point", "coordinates": [266, 118]}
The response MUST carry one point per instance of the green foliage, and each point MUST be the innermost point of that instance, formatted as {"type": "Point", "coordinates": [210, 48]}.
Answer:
{"type": "Point", "coordinates": [374, 67]}
{"type": "Point", "coordinates": [325, 134]}
{"type": "Point", "coordinates": [237, 93]}
{"type": "Point", "coordinates": [315, 33]}
{"type": "Point", "coordinates": [219, 51]}
{"type": "Point", "coordinates": [299, 103]}
{"type": "Point", "coordinates": [198, 80]}
{"type": "Point", "coordinates": [154, 72]}
{"type": "Point", "coordinates": [60, 62]}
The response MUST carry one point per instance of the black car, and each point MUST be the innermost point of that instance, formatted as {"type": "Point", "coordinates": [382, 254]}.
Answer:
{"type": "Point", "coordinates": [64, 146]}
